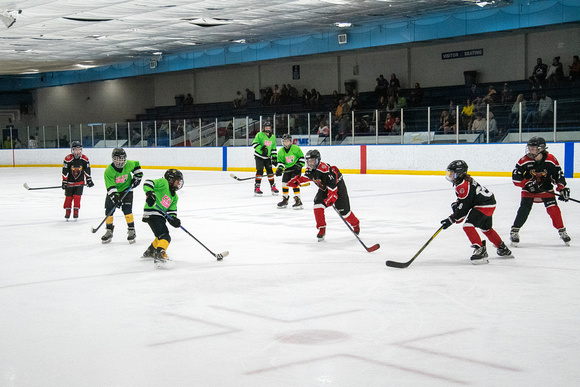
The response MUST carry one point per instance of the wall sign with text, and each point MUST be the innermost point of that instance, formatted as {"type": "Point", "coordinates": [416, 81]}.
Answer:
{"type": "Point", "coordinates": [462, 54]}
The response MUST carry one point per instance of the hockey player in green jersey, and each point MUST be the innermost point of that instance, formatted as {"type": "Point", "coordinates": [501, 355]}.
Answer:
{"type": "Point", "coordinates": [161, 197]}
{"type": "Point", "coordinates": [121, 175]}
{"type": "Point", "coordinates": [290, 164]}
{"type": "Point", "coordinates": [265, 154]}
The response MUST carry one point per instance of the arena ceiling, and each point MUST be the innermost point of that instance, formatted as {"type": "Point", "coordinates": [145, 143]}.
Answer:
{"type": "Point", "coordinates": [56, 35]}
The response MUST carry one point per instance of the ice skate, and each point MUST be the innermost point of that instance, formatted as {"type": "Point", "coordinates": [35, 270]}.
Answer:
{"type": "Point", "coordinates": [297, 203]}
{"type": "Point", "coordinates": [75, 213]}
{"type": "Point", "coordinates": [321, 234]}
{"type": "Point", "coordinates": [275, 191]}
{"type": "Point", "coordinates": [258, 191]}
{"type": "Point", "coordinates": [503, 251]}
{"type": "Point", "coordinates": [564, 236]}
{"type": "Point", "coordinates": [479, 256]}
{"type": "Point", "coordinates": [108, 235]}
{"type": "Point", "coordinates": [67, 214]}
{"type": "Point", "coordinates": [283, 203]}
{"type": "Point", "coordinates": [131, 235]}
{"type": "Point", "coordinates": [160, 258]}
{"type": "Point", "coordinates": [515, 236]}
{"type": "Point", "coordinates": [149, 253]}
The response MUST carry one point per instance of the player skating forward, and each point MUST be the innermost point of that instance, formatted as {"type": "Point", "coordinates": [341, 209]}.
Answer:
{"type": "Point", "coordinates": [536, 173]}
{"type": "Point", "coordinates": [290, 164]}
{"type": "Point", "coordinates": [120, 175]}
{"type": "Point", "coordinates": [76, 169]}
{"type": "Point", "coordinates": [475, 204]}
{"type": "Point", "coordinates": [265, 154]}
{"type": "Point", "coordinates": [331, 191]}
{"type": "Point", "coordinates": [161, 193]}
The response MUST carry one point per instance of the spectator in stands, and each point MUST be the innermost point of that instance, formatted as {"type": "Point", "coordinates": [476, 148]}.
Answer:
{"type": "Point", "coordinates": [532, 109]}
{"type": "Point", "coordinates": [323, 130]}
{"type": "Point", "coordinates": [275, 98]}
{"type": "Point", "coordinates": [507, 96]}
{"type": "Point", "coordinates": [401, 101]}
{"type": "Point", "coordinates": [63, 142]}
{"type": "Point", "coordinates": [398, 126]}
{"type": "Point", "coordinates": [380, 108]}
{"type": "Point", "coordinates": [335, 100]}
{"type": "Point", "coordinates": [8, 144]}
{"type": "Point", "coordinates": [344, 126]}
{"type": "Point", "coordinates": [479, 123]}
{"type": "Point", "coordinates": [306, 98]}
{"type": "Point", "coordinates": [239, 100]}
{"type": "Point", "coordinates": [416, 95]}
{"type": "Point", "coordinates": [394, 85]}
{"type": "Point", "coordinates": [453, 120]}
{"type": "Point", "coordinates": [444, 122]}
{"type": "Point", "coordinates": [284, 97]}
{"type": "Point", "coordinates": [268, 95]}
{"type": "Point", "coordinates": [32, 144]}
{"type": "Point", "coordinates": [575, 69]}
{"type": "Point", "coordinates": [381, 87]}
{"type": "Point", "coordinates": [250, 96]}
{"type": "Point", "coordinates": [392, 106]}
{"type": "Point", "coordinates": [493, 129]}
{"type": "Point", "coordinates": [474, 94]}
{"type": "Point", "coordinates": [452, 108]}
{"type": "Point", "coordinates": [389, 122]}
{"type": "Point", "coordinates": [545, 109]}
{"type": "Point", "coordinates": [135, 137]}
{"type": "Point", "coordinates": [539, 74]}
{"type": "Point", "coordinates": [188, 101]}
{"type": "Point", "coordinates": [555, 73]}
{"type": "Point", "coordinates": [292, 94]}
{"type": "Point", "coordinates": [492, 96]}
{"type": "Point", "coordinates": [315, 99]}
{"type": "Point", "coordinates": [467, 115]}
{"type": "Point", "coordinates": [515, 113]}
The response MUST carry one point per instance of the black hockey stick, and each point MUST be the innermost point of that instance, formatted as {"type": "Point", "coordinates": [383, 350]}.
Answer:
{"type": "Point", "coordinates": [94, 230]}
{"type": "Point", "coordinates": [31, 188]}
{"type": "Point", "coordinates": [219, 256]}
{"type": "Point", "coordinates": [241, 178]}
{"type": "Point", "coordinates": [402, 265]}
{"type": "Point", "coordinates": [374, 247]}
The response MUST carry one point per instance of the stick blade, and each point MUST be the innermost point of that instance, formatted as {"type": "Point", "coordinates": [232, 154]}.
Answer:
{"type": "Point", "coordinates": [233, 176]}
{"type": "Point", "coordinates": [221, 256]}
{"type": "Point", "coordinates": [373, 248]}
{"type": "Point", "coordinates": [398, 265]}
{"type": "Point", "coordinates": [26, 186]}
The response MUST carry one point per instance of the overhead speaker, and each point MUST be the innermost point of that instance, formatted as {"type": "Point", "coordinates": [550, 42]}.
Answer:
{"type": "Point", "coordinates": [342, 39]}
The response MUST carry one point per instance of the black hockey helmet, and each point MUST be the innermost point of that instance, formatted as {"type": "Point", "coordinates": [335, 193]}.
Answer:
{"type": "Point", "coordinates": [76, 148]}
{"type": "Point", "coordinates": [172, 175]}
{"type": "Point", "coordinates": [456, 171]}
{"type": "Point", "coordinates": [538, 144]}
{"type": "Point", "coordinates": [287, 137]}
{"type": "Point", "coordinates": [119, 157]}
{"type": "Point", "coordinates": [312, 158]}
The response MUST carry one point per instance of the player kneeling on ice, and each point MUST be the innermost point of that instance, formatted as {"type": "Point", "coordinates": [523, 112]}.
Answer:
{"type": "Point", "coordinates": [121, 176]}
{"type": "Point", "coordinates": [536, 174]}
{"type": "Point", "coordinates": [161, 195]}
{"type": "Point", "coordinates": [331, 192]}
{"type": "Point", "coordinates": [475, 204]}
{"type": "Point", "coordinates": [290, 164]}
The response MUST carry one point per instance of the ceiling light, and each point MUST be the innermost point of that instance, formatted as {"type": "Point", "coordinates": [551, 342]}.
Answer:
{"type": "Point", "coordinates": [342, 25]}
{"type": "Point", "coordinates": [484, 3]}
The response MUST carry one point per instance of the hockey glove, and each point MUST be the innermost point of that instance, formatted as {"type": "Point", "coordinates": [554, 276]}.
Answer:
{"type": "Point", "coordinates": [274, 159]}
{"type": "Point", "coordinates": [296, 181]}
{"type": "Point", "coordinates": [174, 221]}
{"type": "Point", "coordinates": [150, 198]}
{"type": "Point", "coordinates": [564, 194]}
{"type": "Point", "coordinates": [116, 199]}
{"type": "Point", "coordinates": [330, 199]}
{"type": "Point", "coordinates": [280, 170]}
{"type": "Point", "coordinates": [90, 182]}
{"type": "Point", "coordinates": [532, 186]}
{"type": "Point", "coordinates": [136, 181]}
{"type": "Point", "coordinates": [447, 222]}
{"type": "Point", "coordinates": [64, 184]}
{"type": "Point", "coordinates": [264, 151]}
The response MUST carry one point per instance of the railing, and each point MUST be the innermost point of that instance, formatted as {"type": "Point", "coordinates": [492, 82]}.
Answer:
{"type": "Point", "coordinates": [418, 125]}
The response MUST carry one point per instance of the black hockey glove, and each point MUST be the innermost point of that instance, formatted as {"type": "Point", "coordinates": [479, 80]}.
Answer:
{"type": "Point", "coordinates": [447, 222]}
{"type": "Point", "coordinates": [64, 184]}
{"type": "Point", "coordinates": [564, 194]}
{"type": "Point", "coordinates": [280, 170]}
{"type": "Point", "coordinates": [151, 198]}
{"type": "Point", "coordinates": [90, 182]}
{"type": "Point", "coordinates": [174, 221]}
{"type": "Point", "coordinates": [274, 159]}
{"type": "Point", "coordinates": [264, 151]}
{"type": "Point", "coordinates": [136, 181]}
{"type": "Point", "coordinates": [116, 199]}
{"type": "Point", "coordinates": [532, 186]}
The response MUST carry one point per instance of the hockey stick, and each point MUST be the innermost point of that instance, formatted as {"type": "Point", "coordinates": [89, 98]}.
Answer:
{"type": "Point", "coordinates": [572, 199]}
{"type": "Point", "coordinates": [30, 188]}
{"type": "Point", "coordinates": [241, 178]}
{"type": "Point", "coordinates": [402, 265]}
{"type": "Point", "coordinates": [374, 247]}
{"type": "Point", "coordinates": [94, 230]}
{"type": "Point", "coordinates": [219, 256]}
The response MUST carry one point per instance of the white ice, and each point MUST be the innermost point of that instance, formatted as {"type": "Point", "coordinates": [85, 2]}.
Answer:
{"type": "Point", "coordinates": [283, 309]}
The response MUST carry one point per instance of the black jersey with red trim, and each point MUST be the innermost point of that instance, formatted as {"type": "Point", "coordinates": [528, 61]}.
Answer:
{"type": "Point", "coordinates": [547, 172]}
{"type": "Point", "coordinates": [325, 176]}
{"type": "Point", "coordinates": [470, 194]}
{"type": "Point", "coordinates": [74, 170]}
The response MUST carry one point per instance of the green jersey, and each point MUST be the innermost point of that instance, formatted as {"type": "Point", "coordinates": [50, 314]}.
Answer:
{"type": "Point", "coordinates": [264, 145]}
{"type": "Point", "coordinates": [119, 180]}
{"type": "Point", "coordinates": [163, 198]}
{"type": "Point", "coordinates": [291, 157]}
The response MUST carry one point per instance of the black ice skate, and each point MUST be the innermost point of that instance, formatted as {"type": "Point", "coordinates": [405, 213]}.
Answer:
{"type": "Point", "coordinates": [149, 253]}
{"type": "Point", "coordinates": [67, 214]}
{"type": "Point", "coordinates": [515, 236]}
{"type": "Point", "coordinates": [564, 236]}
{"type": "Point", "coordinates": [283, 203]}
{"type": "Point", "coordinates": [108, 235]}
{"type": "Point", "coordinates": [131, 235]}
{"type": "Point", "coordinates": [503, 251]}
{"type": "Point", "coordinates": [479, 256]}
{"type": "Point", "coordinates": [76, 213]}
{"type": "Point", "coordinates": [160, 258]}
{"type": "Point", "coordinates": [297, 203]}
{"type": "Point", "coordinates": [275, 191]}
{"type": "Point", "coordinates": [321, 234]}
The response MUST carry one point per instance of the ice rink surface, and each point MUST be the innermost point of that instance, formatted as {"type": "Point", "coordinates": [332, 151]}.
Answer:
{"type": "Point", "coordinates": [283, 309]}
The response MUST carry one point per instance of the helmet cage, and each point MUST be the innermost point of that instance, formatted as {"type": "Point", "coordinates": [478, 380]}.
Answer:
{"type": "Point", "coordinates": [76, 150]}
{"type": "Point", "coordinates": [287, 141]}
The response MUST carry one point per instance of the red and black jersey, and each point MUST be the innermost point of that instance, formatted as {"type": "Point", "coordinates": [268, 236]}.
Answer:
{"type": "Point", "coordinates": [472, 195]}
{"type": "Point", "coordinates": [325, 176]}
{"type": "Point", "coordinates": [74, 170]}
{"type": "Point", "coordinates": [547, 172]}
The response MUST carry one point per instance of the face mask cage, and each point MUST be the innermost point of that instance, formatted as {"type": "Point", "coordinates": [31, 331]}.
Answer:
{"type": "Point", "coordinates": [77, 152]}
{"type": "Point", "coordinates": [119, 161]}
{"type": "Point", "coordinates": [312, 163]}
